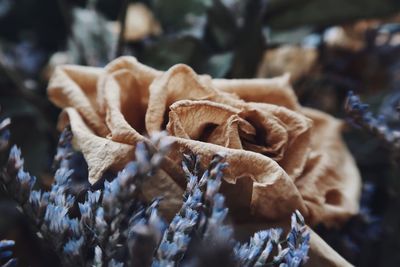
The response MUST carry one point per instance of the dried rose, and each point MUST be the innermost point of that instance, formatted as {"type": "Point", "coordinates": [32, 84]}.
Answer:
{"type": "Point", "coordinates": [282, 156]}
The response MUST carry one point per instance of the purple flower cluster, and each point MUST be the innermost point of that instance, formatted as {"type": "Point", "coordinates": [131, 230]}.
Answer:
{"type": "Point", "coordinates": [360, 116]}
{"type": "Point", "coordinates": [113, 226]}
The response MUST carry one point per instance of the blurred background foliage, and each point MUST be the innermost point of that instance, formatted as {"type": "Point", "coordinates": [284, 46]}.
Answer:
{"type": "Point", "coordinates": [329, 46]}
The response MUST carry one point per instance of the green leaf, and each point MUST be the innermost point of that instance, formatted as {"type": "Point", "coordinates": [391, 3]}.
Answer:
{"type": "Point", "coordinates": [218, 65]}
{"type": "Point", "coordinates": [250, 42]}
{"type": "Point", "coordinates": [221, 26]}
{"type": "Point", "coordinates": [179, 15]}
{"type": "Point", "coordinates": [166, 52]}
{"type": "Point", "coordinates": [294, 13]}
{"type": "Point", "coordinates": [92, 43]}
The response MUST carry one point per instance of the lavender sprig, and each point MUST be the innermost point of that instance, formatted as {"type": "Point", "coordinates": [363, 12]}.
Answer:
{"type": "Point", "coordinates": [64, 150]}
{"type": "Point", "coordinates": [298, 241]}
{"type": "Point", "coordinates": [113, 226]}
{"type": "Point", "coordinates": [4, 134]}
{"type": "Point", "coordinates": [360, 116]}
{"type": "Point", "coordinates": [200, 227]}
{"type": "Point", "coordinates": [15, 180]}
{"type": "Point", "coordinates": [292, 251]}
{"type": "Point", "coordinates": [197, 215]}
{"type": "Point", "coordinates": [144, 234]}
{"type": "Point", "coordinates": [122, 211]}
{"type": "Point", "coordinates": [6, 253]}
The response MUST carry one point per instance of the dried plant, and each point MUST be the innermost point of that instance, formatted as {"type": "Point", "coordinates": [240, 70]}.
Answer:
{"type": "Point", "coordinates": [113, 226]}
{"type": "Point", "coordinates": [360, 116]}
{"type": "Point", "coordinates": [6, 253]}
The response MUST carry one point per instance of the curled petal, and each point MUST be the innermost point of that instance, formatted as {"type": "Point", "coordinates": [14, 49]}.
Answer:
{"type": "Point", "coordinates": [282, 157]}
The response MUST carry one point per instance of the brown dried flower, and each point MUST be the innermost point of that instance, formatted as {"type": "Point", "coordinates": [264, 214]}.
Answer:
{"type": "Point", "coordinates": [282, 156]}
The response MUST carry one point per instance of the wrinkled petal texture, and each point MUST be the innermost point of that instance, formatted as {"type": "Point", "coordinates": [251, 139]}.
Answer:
{"type": "Point", "coordinates": [282, 156]}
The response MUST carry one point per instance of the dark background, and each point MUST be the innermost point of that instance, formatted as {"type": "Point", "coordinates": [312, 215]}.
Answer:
{"type": "Point", "coordinates": [225, 39]}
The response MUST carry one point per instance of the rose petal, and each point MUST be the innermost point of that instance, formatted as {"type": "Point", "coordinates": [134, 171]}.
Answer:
{"type": "Point", "coordinates": [338, 196]}
{"type": "Point", "coordinates": [321, 254]}
{"type": "Point", "coordinates": [142, 73]}
{"type": "Point", "coordinates": [272, 194]}
{"type": "Point", "coordinates": [100, 153]}
{"type": "Point", "coordinates": [125, 110]}
{"type": "Point", "coordinates": [178, 83]}
{"type": "Point", "coordinates": [75, 86]}
{"type": "Point", "coordinates": [207, 115]}
{"type": "Point", "coordinates": [271, 137]}
{"type": "Point", "coordinates": [298, 129]}
{"type": "Point", "coordinates": [277, 91]}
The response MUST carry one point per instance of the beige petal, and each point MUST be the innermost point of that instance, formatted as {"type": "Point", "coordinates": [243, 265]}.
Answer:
{"type": "Point", "coordinates": [270, 137]}
{"type": "Point", "coordinates": [298, 128]}
{"type": "Point", "coordinates": [224, 125]}
{"type": "Point", "coordinates": [100, 153]}
{"type": "Point", "coordinates": [230, 133]}
{"type": "Point", "coordinates": [321, 254]}
{"type": "Point", "coordinates": [272, 194]}
{"type": "Point", "coordinates": [338, 196]}
{"type": "Point", "coordinates": [178, 83]}
{"type": "Point", "coordinates": [195, 119]}
{"type": "Point", "coordinates": [143, 75]}
{"type": "Point", "coordinates": [125, 107]}
{"type": "Point", "coordinates": [215, 123]}
{"type": "Point", "coordinates": [277, 91]}
{"type": "Point", "coordinates": [75, 86]}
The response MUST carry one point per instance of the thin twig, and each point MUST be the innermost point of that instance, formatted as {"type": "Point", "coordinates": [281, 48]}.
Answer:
{"type": "Point", "coordinates": [122, 21]}
{"type": "Point", "coordinates": [65, 10]}
{"type": "Point", "coordinates": [67, 13]}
